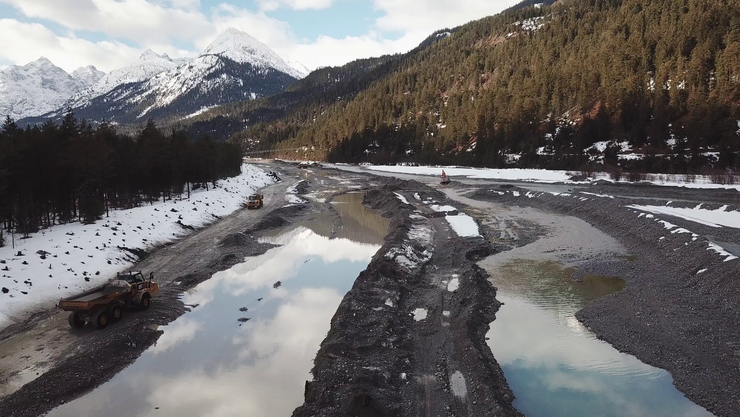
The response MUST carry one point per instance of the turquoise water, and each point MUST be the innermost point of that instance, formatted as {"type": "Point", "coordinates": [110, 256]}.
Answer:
{"type": "Point", "coordinates": [557, 367]}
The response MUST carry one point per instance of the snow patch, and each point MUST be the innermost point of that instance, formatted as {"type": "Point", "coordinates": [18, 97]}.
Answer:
{"type": "Point", "coordinates": [291, 195]}
{"type": "Point", "coordinates": [457, 384]}
{"type": "Point", "coordinates": [440, 209]}
{"type": "Point", "coordinates": [243, 48]}
{"type": "Point", "coordinates": [720, 250]}
{"type": "Point", "coordinates": [420, 314]}
{"type": "Point", "coordinates": [402, 198]}
{"type": "Point", "coordinates": [198, 112]}
{"type": "Point", "coordinates": [597, 195]}
{"type": "Point", "coordinates": [712, 218]}
{"type": "Point", "coordinates": [463, 225]}
{"type": "Point", "coordinates": [419, 235]}
{"type": "Point", "coordinates": [453, 285]}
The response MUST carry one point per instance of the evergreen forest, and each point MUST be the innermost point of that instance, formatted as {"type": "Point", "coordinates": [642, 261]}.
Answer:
{"type": "Point", "coordinates": [530, 87]}
{"type": "Point", "coordinates": [54, 174]}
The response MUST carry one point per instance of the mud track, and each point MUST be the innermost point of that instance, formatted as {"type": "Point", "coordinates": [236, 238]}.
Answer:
{"type": "Point", "coordinates": [378, 360]}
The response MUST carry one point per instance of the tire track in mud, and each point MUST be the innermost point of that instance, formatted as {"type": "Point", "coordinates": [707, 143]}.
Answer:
{"type": "Point", "coordinates": [378, 360]}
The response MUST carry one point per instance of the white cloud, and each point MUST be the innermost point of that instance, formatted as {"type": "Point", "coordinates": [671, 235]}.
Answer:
{"type": "Point", "coordinates": [181, 331]}
{"type": "Point", "coordinates": [268, 5]}
{"type": "Point", "coordinates": [137, 20]}
{"type": "Point", "coordinates": [32, 40]}
{"type": "Point", "coordinates": [133, 26]}
{"type": "Point", "coordinates": [185, 4]}
{"type": "Point", "coordinates": [280, 264]}
{"type": "Point", "coordinates": [275, 358]}
{"type": "Point", "coordinates": [409, 17]}
{"type": "Point", "coordinates": [328, 51]}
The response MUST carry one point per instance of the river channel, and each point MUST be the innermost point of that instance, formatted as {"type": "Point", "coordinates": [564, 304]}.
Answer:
{"type": "Point", "coordinates": [247, 346]}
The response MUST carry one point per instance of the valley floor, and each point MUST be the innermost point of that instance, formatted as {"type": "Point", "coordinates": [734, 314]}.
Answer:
{"type": "Point", "coordinates": [409, 337]}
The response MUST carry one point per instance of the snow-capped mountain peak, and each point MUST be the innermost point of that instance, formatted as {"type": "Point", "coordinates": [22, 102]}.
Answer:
{"type": "Point", "coordinates": [234, 67]}
{"type": "Point", "coordinates": [243, 48]}
{"type": "Point", "coordinates": [147, 66]}
{"type": "Point", "coordinates": [89, 75]}
{"type": "Point", "coordinates": [42, 62]}
{"type": "Point", "coordinates": [35, 88]}
{"type": "Point", "coordinates": [150, 55]}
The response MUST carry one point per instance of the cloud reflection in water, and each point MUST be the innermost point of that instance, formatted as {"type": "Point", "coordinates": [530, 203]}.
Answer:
{"type": "Point", "coordinates": [556, 367]}
{"type": "Point", "coordinates": [207, 364]}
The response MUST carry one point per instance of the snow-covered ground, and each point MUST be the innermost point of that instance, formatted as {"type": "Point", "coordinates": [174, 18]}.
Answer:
{"type": "Point", "coordinates": [66, 259]}
{"type": "Point", "coordinates": [713, 218]}
{"type": "Point", "coordinates": [540, 175]}
{"type": "Point", "coordinates": [291, 195]}
{"type": "Point", "coordinates": [536, 175]}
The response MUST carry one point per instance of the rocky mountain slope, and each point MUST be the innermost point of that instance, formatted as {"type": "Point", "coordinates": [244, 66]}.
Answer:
{"type": "Point", "coordinates": [40, 86]}
{"type": "Point", "coordinates": [148, 65]}
{"type": "Point", "coordinates": [234, 67]}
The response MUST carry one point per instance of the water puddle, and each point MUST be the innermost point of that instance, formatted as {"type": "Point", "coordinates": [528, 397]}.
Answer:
{"type": "Point", "coordinates": [731, 247]}
{"type": "Point", "coordinates": [359, 223]}
{"type": "Point", "coordinates": [247, 347]}
{"type": "Point", "coordinates": [557, 367]}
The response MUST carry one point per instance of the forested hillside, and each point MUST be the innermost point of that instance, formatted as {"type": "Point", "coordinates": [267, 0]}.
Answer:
{"type": "Point", "coordinates": [656, 83]}
{"type": "Point", "coordinates": [73, 172]}
{"type": "Point", "coordinates": [306, 98]}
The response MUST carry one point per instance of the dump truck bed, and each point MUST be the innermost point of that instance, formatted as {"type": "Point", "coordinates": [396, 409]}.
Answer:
{"type": "Point", "coordinates": [88, 299]}
{"type": "Point", "coordinates": [100, 293]}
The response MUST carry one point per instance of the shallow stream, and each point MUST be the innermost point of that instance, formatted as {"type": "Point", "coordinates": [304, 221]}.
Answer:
{"type": "Point", "coordinates": [247, 346]}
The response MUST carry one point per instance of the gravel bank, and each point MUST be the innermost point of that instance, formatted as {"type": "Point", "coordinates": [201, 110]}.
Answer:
{"type": "Point", "coordinates": [681, 306]}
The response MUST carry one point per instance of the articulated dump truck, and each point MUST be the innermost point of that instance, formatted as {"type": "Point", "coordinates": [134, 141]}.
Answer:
{"type": "Point", "coordinates": [103, 305]}
{"type": "Point", "coordinates": [254, 201]}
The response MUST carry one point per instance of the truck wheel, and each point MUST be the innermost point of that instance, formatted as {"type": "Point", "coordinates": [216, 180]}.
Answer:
{"type": "Point", "coordinates": [116, 312]}
{"type": "Point", "coordinates": [75, 320]}
{"type": "Point", "coordinates": [100, 319]}
{"type": "Point", "coordinates": [146, 300]}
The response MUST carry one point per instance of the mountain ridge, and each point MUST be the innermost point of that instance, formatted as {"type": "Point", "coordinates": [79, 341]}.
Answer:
{"type": "Point", "coordinates": [235, 66]}
{"type": "Point", "coordinates": [39, 87]}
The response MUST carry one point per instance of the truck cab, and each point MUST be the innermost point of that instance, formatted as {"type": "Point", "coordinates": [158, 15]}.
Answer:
{"type": "Point", "coordinates": [254, 201]}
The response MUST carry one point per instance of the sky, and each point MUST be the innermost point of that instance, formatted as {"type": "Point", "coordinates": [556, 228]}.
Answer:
{"type": "Point", "coordinates": [111, 34]}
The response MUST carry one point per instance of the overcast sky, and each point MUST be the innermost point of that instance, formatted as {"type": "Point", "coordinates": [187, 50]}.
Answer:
{"type": "Point", "coordinates": [113, 33]}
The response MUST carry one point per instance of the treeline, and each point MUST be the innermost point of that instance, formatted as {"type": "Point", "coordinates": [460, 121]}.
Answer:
{"type": "Point", "coordinates": [544, 84]}
{"type": "Point", "coordinates": [53, 174]}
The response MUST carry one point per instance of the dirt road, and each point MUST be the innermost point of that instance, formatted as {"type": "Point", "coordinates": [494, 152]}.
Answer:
{"type": "Point", "coordinates": [54, 363]}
